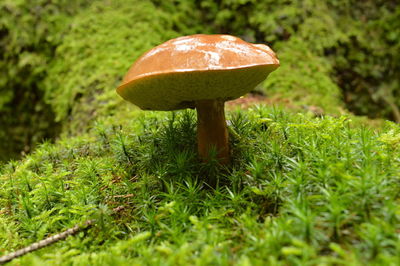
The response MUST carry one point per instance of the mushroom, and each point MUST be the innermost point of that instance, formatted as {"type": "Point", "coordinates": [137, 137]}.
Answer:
{"type": "Point", "coordinates": [199, 71]}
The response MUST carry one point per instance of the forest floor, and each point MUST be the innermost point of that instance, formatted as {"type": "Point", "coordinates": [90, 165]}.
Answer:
{"type": "Point", "coordinates": [301, 189]}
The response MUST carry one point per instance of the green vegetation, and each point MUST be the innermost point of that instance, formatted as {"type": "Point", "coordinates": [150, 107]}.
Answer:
{"type": "Point", "coordinates": [29, 33]}
{"type": "Point", "coordinates": [301, 189]}
{"type": "Point", "coordinates": [62, 61]}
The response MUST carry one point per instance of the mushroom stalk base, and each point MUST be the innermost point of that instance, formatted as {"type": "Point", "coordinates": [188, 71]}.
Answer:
{"type": "Point", "coordinates": [212, 133]}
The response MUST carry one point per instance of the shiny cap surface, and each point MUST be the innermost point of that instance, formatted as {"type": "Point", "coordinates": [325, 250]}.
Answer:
{"type": "Point", "coordinates": [180, 71]}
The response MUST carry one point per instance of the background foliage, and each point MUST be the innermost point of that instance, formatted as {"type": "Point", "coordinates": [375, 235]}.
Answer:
{"type": "Point", "coordinates": [62, 59]}
{"type": "Point", "coordinates": [30, 31]}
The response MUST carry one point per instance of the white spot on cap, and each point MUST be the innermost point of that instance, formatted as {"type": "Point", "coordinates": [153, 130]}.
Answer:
{"type": "Point", "coordinates": [213, 59]}
{"type": "Point", "coordinates": [184, 47]}
{"type": "Point", "coordinates": [228, 37]}
{"type": "Point", "coordinates": [183, 40]}
{"type": "Point", "coordinates": [187, 44]}
{"type": "Point", "coordinates": [263, 47]}
{"type": "Point", "coordinates": [235, 48]}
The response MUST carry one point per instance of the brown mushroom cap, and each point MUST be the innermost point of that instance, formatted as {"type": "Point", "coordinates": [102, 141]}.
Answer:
{"type": "Point", "coordinates": [181, 71]}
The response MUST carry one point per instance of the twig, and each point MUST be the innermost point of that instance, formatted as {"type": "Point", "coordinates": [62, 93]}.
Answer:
{"type": "Point", "coordinates": [45, 242]}
{"type": "Point", "coordinates": [52, 239]}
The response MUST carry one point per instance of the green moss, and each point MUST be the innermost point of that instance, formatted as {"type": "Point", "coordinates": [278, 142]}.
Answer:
{"type": "Point", "coordinates": [62, 60]}
{"type": "Point", "coordinates": [304, 78]}
{"type": "Point", "coordinates": [29, 33]}
{"type": "Point", "coordinates": [300, 190]}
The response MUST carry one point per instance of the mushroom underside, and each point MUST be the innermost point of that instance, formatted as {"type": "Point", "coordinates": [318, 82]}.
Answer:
{"type": "Point", "coordinates": [179, 90]}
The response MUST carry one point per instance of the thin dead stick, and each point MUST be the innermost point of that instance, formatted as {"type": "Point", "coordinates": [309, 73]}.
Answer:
{"type": "Point", "coordinates": [45, 242]}
{"type": "Point", "coordinates": [51, 240]}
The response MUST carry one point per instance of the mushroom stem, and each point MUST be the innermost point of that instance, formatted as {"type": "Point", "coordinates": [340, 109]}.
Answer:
{"type": "Point", "coordinates": [212, 133]}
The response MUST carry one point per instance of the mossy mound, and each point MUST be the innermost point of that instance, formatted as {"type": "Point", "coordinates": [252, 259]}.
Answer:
{"type": "Point", "coordinates": [300, 190]}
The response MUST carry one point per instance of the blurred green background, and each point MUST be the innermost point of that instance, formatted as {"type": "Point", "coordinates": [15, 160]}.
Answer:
{"type": "Point", "coordinates": [60, 60]}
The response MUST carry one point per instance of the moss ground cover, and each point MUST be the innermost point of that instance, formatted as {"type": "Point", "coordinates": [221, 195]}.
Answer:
{"type": "Point", "coordinates": [301, 190]}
